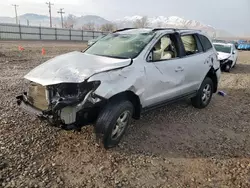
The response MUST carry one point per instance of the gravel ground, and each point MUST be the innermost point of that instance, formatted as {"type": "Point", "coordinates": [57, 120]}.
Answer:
{"type": "Point", "coordinates": [174, 146]}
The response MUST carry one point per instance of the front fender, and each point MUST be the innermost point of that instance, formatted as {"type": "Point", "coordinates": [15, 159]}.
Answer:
{"type": "Point", "coordinates": [120, 80]}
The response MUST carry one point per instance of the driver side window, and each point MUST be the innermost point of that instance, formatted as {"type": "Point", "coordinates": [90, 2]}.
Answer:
{"type": "Point", "coordinates": [164, 49]}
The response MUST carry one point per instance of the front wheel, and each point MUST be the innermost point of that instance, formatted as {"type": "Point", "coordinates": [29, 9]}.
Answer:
{"type": "Point", "coordinates": [204, 94]}
{"type": "Point", "coordinates": [112, 122]}
{"type": "Point", "coordinates": [227, 68]}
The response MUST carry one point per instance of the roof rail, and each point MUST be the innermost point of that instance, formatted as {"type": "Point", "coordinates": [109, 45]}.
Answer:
{"type": "Point", "coordinates": [175, 29]}
{"type": "Point", "coordinates": [157, 29]}
{"type": "Point", "coordinates": [188, 30]}
{"type": "Point", "coordinates": [124, 29]}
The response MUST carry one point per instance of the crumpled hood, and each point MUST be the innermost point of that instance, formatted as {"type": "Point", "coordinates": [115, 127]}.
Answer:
{"type": "Point", "coordinates": [222, 55]}
{"type": "Point", "coordinates": [73, 67]}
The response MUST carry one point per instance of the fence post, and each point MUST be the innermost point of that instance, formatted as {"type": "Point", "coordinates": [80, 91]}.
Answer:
{"type": "Point", "coordinates": [55, 33]}
{"type": "Point", "coordinates": [69, 33]}
{"type": "Point", "coordinates": [93, 34]}
{"type": "Point", "coordinates": [20, 32]}
{"type": "Point", "coordinates": [82, 35]}
{"type": "Point", "coordinates": [40, 32]}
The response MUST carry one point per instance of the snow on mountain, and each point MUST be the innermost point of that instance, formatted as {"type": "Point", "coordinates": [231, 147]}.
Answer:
{"type": "Point", "coordinates": [32, 16]}
{"type": "Point", "coordinates": [131, 18]}
{"type": "Point", "coordinates": [162, 21]}
{"type": "Point", "coordinates": [128, 21]}
{"type": "Point", "coordinates": [96, 20]}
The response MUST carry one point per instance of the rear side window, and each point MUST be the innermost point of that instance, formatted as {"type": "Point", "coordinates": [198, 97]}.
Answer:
{"type": "Point", "coordinates": [190, 44]}
{"type": "Point", "coordinates": [206, 44]}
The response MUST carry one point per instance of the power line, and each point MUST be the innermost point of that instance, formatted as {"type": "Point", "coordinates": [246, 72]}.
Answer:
{"type": "Point", "coordinates": [61, 12]}
{"type": "Point", "coordinates": [48, 3]}
{"type": "Point", "coordinates": [16, 12]}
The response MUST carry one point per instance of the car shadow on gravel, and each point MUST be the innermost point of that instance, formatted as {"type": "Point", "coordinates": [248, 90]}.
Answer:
{"type": "Point", "coordinates": [241, 69]}
{"type": "Point", "coordinates": [181, 131]}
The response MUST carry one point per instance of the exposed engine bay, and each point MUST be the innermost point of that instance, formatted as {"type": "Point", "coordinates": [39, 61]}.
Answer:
{"type": "Point", "coordinates": [63, 104]}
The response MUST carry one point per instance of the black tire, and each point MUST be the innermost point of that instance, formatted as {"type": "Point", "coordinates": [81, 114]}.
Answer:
{"type": "Point", "coordinates": [107, 121]}
{"type": "Point", "coordinates": [227, 68]}
{"type": "Point", "coordinates": [197, 101]}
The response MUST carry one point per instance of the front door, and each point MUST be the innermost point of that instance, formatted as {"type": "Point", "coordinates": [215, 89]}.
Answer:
{"type": "Point", "coordinates": [164, 73]}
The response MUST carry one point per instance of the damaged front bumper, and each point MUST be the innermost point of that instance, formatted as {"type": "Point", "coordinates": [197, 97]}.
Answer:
{"type": "Point", "coordinates": [22, 101]}
{"type": "Point", "coordinates": [67, 114]}
{"type": "Point", "coordinates": [225, 62]}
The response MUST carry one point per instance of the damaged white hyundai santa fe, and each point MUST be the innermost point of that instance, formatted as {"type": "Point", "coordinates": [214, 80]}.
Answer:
{"type": "Point", "coordinates": [122, 75]}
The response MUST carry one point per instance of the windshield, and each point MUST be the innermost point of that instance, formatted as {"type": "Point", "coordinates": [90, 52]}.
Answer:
{"type": "Point", "coordinates": [223, 48]}
{"type": "Point", "coordinates": [119, 45]}
{"type": "Point", "coordinates": [97, 38]}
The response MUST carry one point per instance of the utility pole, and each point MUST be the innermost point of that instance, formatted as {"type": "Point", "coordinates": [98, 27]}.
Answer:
{"type": "Point", "coordinates": [50, 13]}
{"type": "Point", "coordinates": [61, 12]}
{"type": "Point", "coordinates": [16, 12]}
{"type": "Point", "coordinates": [28, 22]}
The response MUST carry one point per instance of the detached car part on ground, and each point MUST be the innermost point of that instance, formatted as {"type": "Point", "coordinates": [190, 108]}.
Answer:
{"type": "Point", "coordinates": [121, 76]}
{"type": "Point", "coordinates": [227, 55]}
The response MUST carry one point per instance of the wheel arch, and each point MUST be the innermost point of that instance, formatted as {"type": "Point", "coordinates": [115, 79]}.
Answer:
{"type": "Point", "coordinates": [133, 98]}
{"type": "Point", "coordinates": [212, 74]}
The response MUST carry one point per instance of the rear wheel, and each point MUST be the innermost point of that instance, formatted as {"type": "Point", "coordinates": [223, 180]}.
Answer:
{"type": "Point", "coordinates": [112, 122]}
{"type": "Point", "coordinates": [204, 94]}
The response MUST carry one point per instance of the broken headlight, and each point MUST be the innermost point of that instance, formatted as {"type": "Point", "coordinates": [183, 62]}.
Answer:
{"type": "Point", "coordinates": [68, 94]}
{"type": "Point", "coordinates": [76, 89]}
{"type": "Point", "coordinates": [224, 60]}
{"type": "Point", "coordinates": [67, 89]}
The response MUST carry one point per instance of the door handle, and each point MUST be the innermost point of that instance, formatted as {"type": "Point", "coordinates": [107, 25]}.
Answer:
{"type": "Point", "coordinates": [178, 69]}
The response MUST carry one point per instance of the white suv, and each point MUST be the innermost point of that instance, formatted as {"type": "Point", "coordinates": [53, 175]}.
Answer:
{"type": "Point", "coordinates": [122, 75]}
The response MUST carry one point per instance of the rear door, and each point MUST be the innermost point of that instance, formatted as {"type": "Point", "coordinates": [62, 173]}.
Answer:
{"type": "Point", "coordinates": [197, 62]}
{"type": "Point", "coordinates": [211, 52]}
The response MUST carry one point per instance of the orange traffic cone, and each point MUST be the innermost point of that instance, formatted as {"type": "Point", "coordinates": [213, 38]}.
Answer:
{"type": "Point", "coordinates": [20, 48]}
{"type": "Point", "coordinates": [43, 51]}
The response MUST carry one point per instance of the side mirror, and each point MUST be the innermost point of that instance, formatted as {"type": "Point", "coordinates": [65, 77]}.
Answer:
{"type": "Point", "coordinates": [234, 52]}
{"type": "Point", "coordinates": [150, 57]}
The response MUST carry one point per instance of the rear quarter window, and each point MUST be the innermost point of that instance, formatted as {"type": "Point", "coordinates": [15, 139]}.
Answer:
{"type": "Point", "coordinates": [206, 44]}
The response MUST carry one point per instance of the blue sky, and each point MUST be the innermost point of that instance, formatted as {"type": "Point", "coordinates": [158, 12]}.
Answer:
{"type": "Point", "coordinates": [231, 15]}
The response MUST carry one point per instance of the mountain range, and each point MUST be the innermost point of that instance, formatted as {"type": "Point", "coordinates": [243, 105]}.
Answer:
{"type": "Point", "coordinates": [97, 21]}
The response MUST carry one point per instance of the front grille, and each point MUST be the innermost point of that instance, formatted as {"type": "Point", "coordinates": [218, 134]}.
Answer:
{"type": "Point", "coordinates": [37, 96]}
